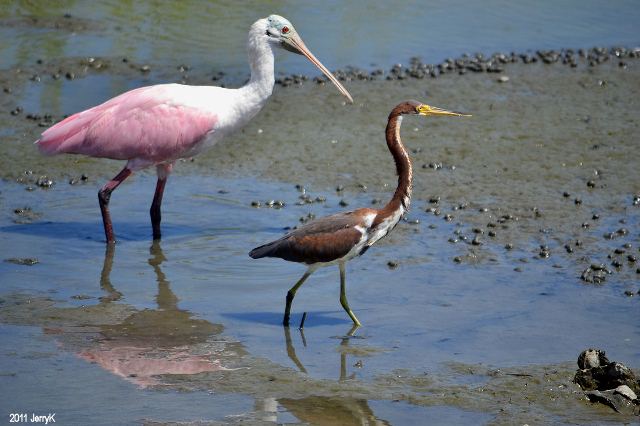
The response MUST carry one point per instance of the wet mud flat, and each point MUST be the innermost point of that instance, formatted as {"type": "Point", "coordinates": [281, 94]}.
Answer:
{"type": "Point", "coordinates": [519, 252]}
{"type": "Point", "coordinates": [546, 169]}
{"type": "Point", "coordinates": [175, 363]}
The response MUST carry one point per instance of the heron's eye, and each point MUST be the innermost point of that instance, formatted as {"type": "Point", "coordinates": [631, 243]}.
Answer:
{"type": "Point", "coordinates": [284, 30]}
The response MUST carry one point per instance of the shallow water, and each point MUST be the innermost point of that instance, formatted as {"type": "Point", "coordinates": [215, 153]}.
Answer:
{"type": "Point", "coordinates": [189, 329]}
{"type": "Point", "coordinates": [197, 298]}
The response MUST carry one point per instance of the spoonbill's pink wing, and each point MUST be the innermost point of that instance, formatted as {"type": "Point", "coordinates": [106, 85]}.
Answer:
{"type": "Point", "coordinates": [150, 124]}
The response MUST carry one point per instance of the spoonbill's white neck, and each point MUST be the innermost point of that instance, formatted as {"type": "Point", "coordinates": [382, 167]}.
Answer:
{"type": "Point", "coordinates": [261, 61]}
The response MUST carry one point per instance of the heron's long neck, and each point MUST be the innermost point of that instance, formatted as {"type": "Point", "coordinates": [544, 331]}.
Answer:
{"type": "Point", "coordinates": [402, 197]}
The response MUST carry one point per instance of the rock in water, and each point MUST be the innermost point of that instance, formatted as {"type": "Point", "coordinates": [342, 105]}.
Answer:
{"type": "Point", "coordinates": [609, 383]}
{"type": "Point", "coordinates": [592, 358]}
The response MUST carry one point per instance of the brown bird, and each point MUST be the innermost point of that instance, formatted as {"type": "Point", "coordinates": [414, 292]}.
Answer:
{"type": "Point", "coordinates": [341, 237]}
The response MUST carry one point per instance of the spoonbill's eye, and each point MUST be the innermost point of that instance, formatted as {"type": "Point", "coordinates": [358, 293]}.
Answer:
{"type": "Point", "coordinates": [284, 30]}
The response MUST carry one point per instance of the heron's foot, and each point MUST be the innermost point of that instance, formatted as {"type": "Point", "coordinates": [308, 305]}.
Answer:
{"type": "Point", "coordinates": [355, 320]}
{"type": "Point", "coordinates": [352, 331]}
{"type": "Point", "coordinates": [345, 306]}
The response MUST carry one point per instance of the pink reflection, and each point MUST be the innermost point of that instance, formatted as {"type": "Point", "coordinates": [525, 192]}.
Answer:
{"type": "Point", "coordinates": [151, 343]}
{"type": "Point", "coordinates": [140, 365]}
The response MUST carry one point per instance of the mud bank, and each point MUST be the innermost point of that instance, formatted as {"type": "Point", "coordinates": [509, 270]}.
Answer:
{"type": "Point", "coordinates": [546, 169]}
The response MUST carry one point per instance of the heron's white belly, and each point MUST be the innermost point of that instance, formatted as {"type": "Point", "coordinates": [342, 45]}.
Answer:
{"type": "Point", "coordinates": [385, 226]}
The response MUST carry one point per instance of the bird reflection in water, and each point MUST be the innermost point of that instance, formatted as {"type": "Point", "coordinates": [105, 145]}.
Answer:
{"type": "Point", "coordinates": [155, 342]}
{"type": "Point", "coordinates": [153, 348]}
{"type": "Point", "coordinates": [322, 409]}
{"type": "Point", "coordinates": [326, 410]}
{"type": "Point", "coordinates": [344, 350]}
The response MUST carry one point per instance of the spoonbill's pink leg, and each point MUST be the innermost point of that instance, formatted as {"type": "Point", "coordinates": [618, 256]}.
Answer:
{"type": "Point", "coordinates": [155, 208]}
{"type": "Point", "coordinates": [104, 195]}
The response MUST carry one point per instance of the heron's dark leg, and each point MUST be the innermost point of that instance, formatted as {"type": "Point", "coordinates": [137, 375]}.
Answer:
{"type": "Point", "coordinates": [343, 295]}
{"type": "Point", "coordinates": [292, 293]}
{"type": "Point", "coordinates": [104, 195]}
{"type": "Point", "coordinates": [156, 217]}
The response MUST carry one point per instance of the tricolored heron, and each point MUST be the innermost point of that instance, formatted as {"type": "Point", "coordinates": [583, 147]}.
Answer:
{"type": "Point", "coordinates": [339, 238]}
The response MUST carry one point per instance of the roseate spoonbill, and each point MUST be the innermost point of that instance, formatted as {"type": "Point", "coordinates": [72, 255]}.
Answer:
{"type": "Point", "coordinates": [157, 125]}
{"type": "Point", "coordinates": [341, 237]}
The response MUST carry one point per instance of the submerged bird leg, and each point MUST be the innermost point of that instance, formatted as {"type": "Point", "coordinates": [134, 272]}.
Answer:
{"type": "Point", "coordinates": [156, 217]}
{"type": "Point", "coordinates": [343, 296]}
{"type": "Point", "coordinates": [292, 293]}
{"type": "Point", "coordinates": [104, 195]}
{"type": "Point", "coordinates": [155, 208]}
{"type": "Point", "coordinates": [353, 329]}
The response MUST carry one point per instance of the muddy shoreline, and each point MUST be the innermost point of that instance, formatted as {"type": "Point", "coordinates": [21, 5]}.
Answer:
{"type": "Point", "coordinates": [545, 169]}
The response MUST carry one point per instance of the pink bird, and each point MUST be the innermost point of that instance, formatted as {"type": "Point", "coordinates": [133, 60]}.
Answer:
{"type": "Point", "coordinates": [157, 125]}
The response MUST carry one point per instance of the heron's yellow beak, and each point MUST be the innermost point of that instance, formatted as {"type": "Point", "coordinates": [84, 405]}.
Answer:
{"type": "Point", "coordinates": [429, 110]}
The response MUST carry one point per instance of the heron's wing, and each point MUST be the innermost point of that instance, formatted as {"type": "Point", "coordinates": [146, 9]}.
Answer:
{"type": "Point", "coordinates": [322, 240]}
